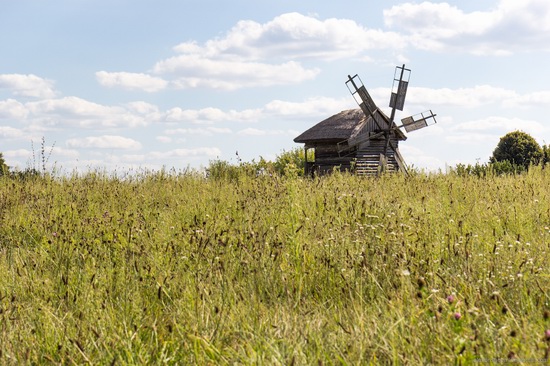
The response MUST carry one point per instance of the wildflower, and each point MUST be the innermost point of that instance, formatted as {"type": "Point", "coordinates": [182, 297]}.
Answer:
{"type": "Point", "coordinates": [457, 315]}
{"type": "Point", "coordinates": [54, 234]}
{"type": "Point", "coordinates": [547, 334]}
{"type": "Point", "coordinates": [450, 299]}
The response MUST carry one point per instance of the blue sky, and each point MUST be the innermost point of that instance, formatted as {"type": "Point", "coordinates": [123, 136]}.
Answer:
{"type": "Point", "coordinates": [123, 84]}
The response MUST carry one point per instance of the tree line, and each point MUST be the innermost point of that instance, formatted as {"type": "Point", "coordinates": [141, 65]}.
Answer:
{"type": "Point", "coordinates": [515, 153]}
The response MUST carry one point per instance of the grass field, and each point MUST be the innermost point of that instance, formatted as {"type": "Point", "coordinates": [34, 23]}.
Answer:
{"type": "Point", "coordinates": [178, 269]}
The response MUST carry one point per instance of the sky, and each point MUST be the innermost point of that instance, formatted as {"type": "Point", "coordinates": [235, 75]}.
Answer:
{"type": "Point", "coordinates": [120, 85]}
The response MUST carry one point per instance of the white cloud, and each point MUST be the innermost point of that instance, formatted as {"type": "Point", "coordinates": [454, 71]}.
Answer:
{"type": "Point", "coordinates": [27, 85]}
{"type": "Point", "coordinates": [472, 97]}
{"type": "Point", "coordinates": [70, 106]}
{"type": "Point", "coordinates": [473, 139]}
{"type": "Point", "coordinates": [511, 26]}
{"type": "Point", "coordinates": [144, 108]}
{"type": "Point", "coordinates": [131, 81]}
{"type": "Point", "coordinates": [258, 132]}
{"type": "Point", "coordinates": [291, 36]}
{"type": "Point", "coordinates": [104, 142]}
{"type": "Point", "coordinates": [134, 158]}
{"type": "Point", "coordinates": [129, 164]}
{"type": "Point", "coordinates": [19, 153]}
{"type": "Point", "coordinates": [540, 98]}
{"type": "Point", "coordinates": [415, 157]}
{"type": "Point", "coordinates": [208, 131]}
{"type": "Point", "coordinates": [12, 109]}
{"type": "Point", "coordinates": [463, 97]}
{"type": "Point", "coordinates": [501, 124]}
{"type": "Point", "coordinates": [10, 132]}
{"type": "Point", "coordinates": [427, 17]}
{"type": "Point", "coordinates": [211, 115]}
{"type": "Point", "coordinates": [75, 111]}
{"type": "Point", "coordinates": [310, 107]}
{"type": "Point", "coordinates": [317, 106]}
{"type": "Point", "coordinates": [191, 71]}
{"type": "Point", "coordinates": [57, 151]}
{"type": "Point", "coordinates": [185, 153]}
{"type": "Point", "coordinates": [238, 59]}
{"type": "Point", "coordinates": [253, 54]}
{"type": "Point", "coordinates": [164, 139]}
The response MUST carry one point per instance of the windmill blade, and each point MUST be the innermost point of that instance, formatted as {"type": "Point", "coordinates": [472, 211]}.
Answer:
{"type": "Point", "coordinates": [418, 121]}
{"type": "Point", "coordinates": [361, 95]}
{"type": "Point", "coordinates": [397, 100]}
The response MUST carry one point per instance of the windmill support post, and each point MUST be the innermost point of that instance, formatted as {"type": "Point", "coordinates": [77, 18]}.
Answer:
{"type": "Point", "coordinates": [306, 163]}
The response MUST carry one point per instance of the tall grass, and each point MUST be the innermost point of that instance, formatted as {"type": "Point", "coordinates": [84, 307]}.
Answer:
{"type": "Point", "coordinates": [178, 269]}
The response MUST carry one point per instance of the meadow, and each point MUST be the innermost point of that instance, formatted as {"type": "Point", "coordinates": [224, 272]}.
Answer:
{"type": "Point", "coordinates": [165, 268]}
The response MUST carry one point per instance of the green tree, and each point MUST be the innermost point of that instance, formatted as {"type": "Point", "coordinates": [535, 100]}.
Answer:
{"type": "Point", "coordinates": [291, 160]}
{"type": "Point", "coordinates": [4, 169]}
{"type": "Point", "coordinates": [519, 148]}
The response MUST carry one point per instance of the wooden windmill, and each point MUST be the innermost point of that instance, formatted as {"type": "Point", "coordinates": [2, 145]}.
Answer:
{"type": "Point", "coordinates": [375, 144]}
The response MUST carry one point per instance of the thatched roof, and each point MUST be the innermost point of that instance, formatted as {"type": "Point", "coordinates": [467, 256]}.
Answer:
{"type": "Point", "coordinates": [342, 126]}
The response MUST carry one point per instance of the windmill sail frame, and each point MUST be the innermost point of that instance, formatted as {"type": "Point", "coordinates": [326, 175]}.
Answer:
{"type": "Point", "coordinates": [418, 121]}
{"type": "Point", "coordinates": [397, 98]}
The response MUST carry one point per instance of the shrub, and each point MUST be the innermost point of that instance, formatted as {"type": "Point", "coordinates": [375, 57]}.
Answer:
{"type": "Point", "coordinates": [483, 170]}
{"type": "Point", "coordinates": [292, 161]}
